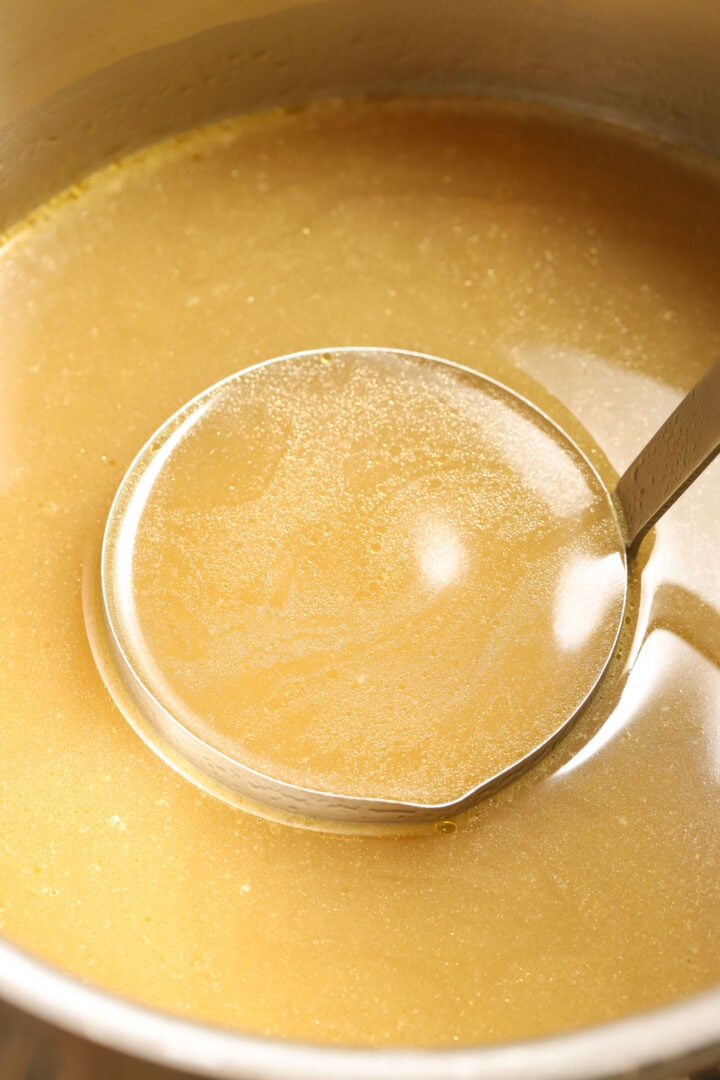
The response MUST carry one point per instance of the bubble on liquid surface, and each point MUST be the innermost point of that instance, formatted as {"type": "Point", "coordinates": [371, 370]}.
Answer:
{"type": "Point", "coordinates": [374, 574]}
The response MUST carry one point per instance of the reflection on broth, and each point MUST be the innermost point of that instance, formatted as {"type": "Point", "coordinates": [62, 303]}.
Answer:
{"type": "Point", "coordinates": [342, 571]}
{"type": "Point", "coordinates": [568, 260]}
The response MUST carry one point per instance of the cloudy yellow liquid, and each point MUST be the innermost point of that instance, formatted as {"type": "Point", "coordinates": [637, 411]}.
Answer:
{"type": "Point", "coordinates": [372, 574]}
{"type": "Point", "coordinates": [573, 263]}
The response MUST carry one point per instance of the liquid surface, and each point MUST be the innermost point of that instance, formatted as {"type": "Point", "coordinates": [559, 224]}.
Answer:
{"type": "Point", "coordinates": [579, 266]}
{"type": "Point", "coordinates": [375, 575]}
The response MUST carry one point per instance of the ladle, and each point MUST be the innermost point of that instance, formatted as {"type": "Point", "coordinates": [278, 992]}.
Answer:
{"type": "Point", "coordinates": [682, 447]}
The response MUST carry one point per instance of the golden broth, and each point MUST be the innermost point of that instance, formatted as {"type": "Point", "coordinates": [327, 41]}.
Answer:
{"type": "Point", "coordinates": [573, 262]}
{"type": "Point", "coordinates": [374, 575]}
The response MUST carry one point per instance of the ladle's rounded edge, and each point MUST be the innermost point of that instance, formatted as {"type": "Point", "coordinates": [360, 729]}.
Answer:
{"type": "Point", "coordinates": [230, 780]}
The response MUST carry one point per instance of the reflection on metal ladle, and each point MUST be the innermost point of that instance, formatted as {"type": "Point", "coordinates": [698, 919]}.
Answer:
{"type": "Point", "coordinates": [169, 482]}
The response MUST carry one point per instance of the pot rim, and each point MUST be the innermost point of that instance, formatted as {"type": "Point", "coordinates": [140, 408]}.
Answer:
{"type": "Point", "coordinates": [685, 1034]}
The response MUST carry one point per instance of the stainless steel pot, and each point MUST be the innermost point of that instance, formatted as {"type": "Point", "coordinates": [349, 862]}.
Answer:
{"type": "Point", "coordinates": [86, 80]}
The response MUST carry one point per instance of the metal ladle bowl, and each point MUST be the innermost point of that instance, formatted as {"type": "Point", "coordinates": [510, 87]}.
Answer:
{"type": "Point", "coordinates": [671, 460]}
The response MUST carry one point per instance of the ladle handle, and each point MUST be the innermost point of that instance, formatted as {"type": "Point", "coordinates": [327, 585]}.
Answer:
{"type": "Point", "coordinates": [677, 453]}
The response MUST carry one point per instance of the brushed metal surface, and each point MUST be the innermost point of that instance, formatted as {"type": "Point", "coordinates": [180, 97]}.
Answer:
{"type": "Point", "coordinates": [675, 456]}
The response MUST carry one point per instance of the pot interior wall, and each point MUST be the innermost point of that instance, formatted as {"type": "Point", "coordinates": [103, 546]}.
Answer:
{"type": "Point", "coordinates": [83, 83]}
